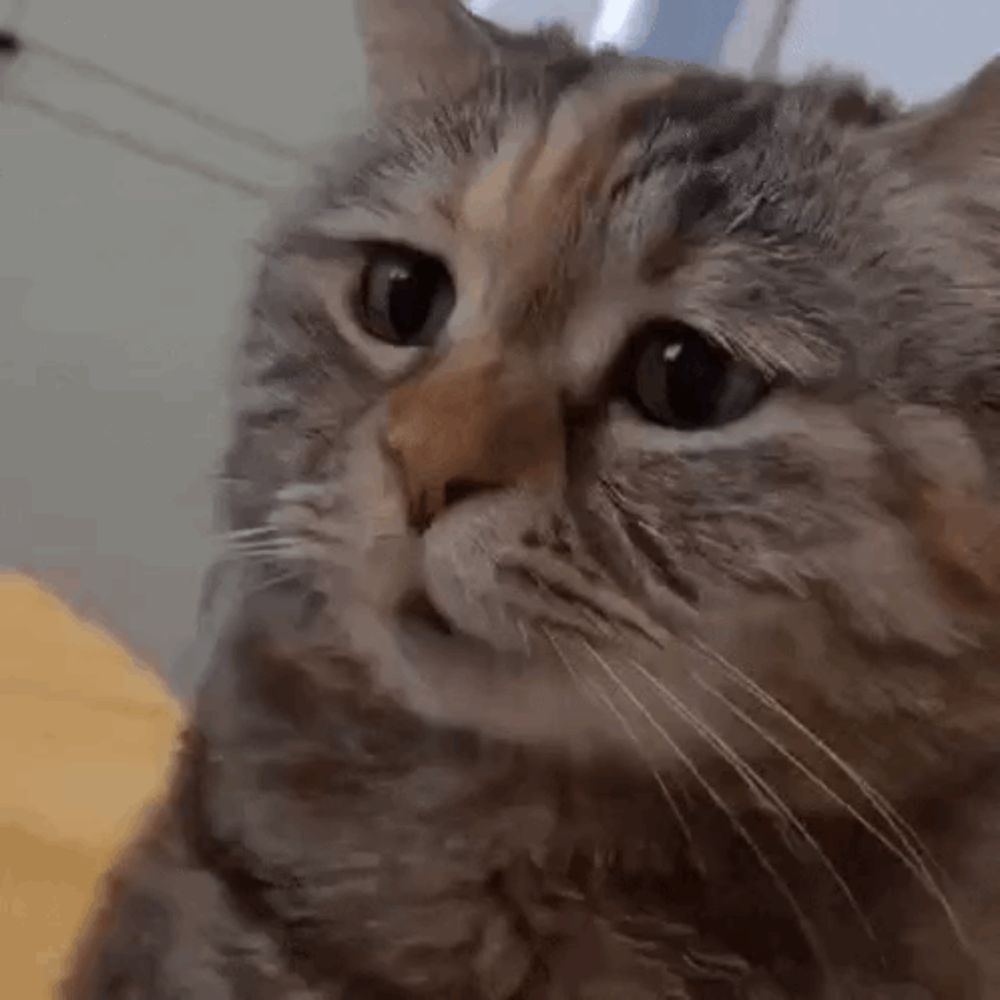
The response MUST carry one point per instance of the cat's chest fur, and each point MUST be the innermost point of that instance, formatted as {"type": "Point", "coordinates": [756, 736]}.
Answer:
{"type": "Point", "coordinates": [386, 861]}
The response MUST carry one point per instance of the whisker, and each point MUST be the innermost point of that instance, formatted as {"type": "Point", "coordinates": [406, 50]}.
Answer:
{"type": "Point", "coordinates": [275, 549]}
{"type": "Point", "coordinates": [804, 769]}
{"type": "Point", "coordinates": [240, 534]}
{"type": "Point", "coordinates": [885, 809]}
{"type": "Point", "coordinates": [883, 806]}
{"type": "Point", "coordinates": [910, 845]}
{"type": "Point", "coordinates": [805, 924]}
{"type": "Point", "coordinates": [915, 851]}
{"type": "Point", "coordinates": [272, 581]}
{"type": "Point", "coordinates": [756, 783]}
{"type": "Point", "coordinates": [301, 544]}
{"type": "Point", "coordinates": [587, 685]}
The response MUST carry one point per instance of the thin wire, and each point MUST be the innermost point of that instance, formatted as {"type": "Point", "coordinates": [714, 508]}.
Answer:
{"type": "Point", "coordinates": [200, 116]}
{"type": "Point", "coordinates": [86, 125]}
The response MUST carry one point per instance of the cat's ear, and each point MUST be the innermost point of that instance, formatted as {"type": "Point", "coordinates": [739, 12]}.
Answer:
{"type": "Point", "coordinates": [958, 136]}
{"type": "Point", "coordinates": [421, 48]}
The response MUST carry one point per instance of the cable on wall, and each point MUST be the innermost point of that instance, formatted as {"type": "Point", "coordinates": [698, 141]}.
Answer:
{"type": "Point", "coordinates": [209, 120]}
{"type": "Point", "coordinates": [83, 124]}
{"type": "Point", "coordinates": [13, 46]}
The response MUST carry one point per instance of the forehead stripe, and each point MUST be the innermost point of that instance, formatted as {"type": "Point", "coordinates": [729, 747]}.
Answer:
{"type": "Point", "coordinates": [582, 138]}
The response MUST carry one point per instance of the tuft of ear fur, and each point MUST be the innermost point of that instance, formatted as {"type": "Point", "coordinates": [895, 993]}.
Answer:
{"type": "Point", "coordinates": [419, 49]}
{"type": "Point", "coordinates": [959, 136]}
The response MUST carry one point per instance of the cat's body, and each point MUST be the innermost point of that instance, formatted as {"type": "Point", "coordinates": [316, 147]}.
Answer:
{"type": "Point", "coordinates": [708, 704]}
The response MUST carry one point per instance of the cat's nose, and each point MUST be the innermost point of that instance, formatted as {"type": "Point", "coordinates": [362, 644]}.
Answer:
{"type": "Point", "coordinates": [469, 425]}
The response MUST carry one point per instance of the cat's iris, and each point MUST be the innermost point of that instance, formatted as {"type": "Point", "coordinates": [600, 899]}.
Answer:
{"type": "Point", "coordinates": [676, 377]}
{"type": "Point", "coordinates": [405, 296]}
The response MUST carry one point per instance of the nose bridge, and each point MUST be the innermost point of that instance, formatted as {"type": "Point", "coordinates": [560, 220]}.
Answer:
{"type": "Point", "coordinates": [474, 421]}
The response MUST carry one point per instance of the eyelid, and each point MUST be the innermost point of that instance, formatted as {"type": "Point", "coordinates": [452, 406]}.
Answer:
{"type": "Point", "coordinates": [358, 222]}
{"type": "Point", "coordinates": [320, 248]}
{"type": "Point", "coordinates": [402, 248]}
{"type": "Point", "coordinates": [789, 360]}
{"type": "Point", "coordinates": [359, 226]}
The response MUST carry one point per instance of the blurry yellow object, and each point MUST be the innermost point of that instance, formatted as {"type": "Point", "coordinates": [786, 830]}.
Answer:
{"type": "Point", "coordinates": [86, 738]}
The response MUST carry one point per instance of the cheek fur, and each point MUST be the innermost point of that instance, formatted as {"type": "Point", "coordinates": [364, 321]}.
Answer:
{"type": "Point", "coordinates": [798, 508]}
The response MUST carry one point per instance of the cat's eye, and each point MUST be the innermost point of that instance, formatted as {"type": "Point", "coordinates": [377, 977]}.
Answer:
{"type": "Point", "coordinates": [678, 378]}
{"type": "Point", "coordinates": [405, 297]}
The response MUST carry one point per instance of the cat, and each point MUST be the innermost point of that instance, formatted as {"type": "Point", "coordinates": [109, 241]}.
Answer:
{"type": "Point", "coordinates": [614, 552]}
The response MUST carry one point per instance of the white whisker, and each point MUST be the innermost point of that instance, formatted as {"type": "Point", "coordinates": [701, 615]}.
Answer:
{"type": "Point", "coordinates": [753, 780]}
{"type": "Point", "coordinates": [240, 534]}
{"type": "Point", "coordinates": [268, 545]}
{"type": "Point", "coordinates": [915, 857]}
{"type": "Point", "coordinates": [776, 745]}
{"type": "Point", "coordinates": [588, 685]}
{"type": "Point", "coordinates": [806, 925]}
{"type": "Point", "coordinates": [273, 581]}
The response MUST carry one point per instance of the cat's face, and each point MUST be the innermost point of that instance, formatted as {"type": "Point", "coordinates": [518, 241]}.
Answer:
{"type": "Point", "coordinates": [672, 394]}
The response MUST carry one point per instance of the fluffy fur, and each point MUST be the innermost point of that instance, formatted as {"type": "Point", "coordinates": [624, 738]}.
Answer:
{"type": "Point", "coordinates": [717, 712]}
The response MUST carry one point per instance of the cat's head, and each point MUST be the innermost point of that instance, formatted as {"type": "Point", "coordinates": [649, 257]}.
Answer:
{"type": "Point", "coordinates": [676, 396]}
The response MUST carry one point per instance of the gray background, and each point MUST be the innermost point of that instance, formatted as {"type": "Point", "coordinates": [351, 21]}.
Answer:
{"type": "Point", "coordinates": [121, 281]}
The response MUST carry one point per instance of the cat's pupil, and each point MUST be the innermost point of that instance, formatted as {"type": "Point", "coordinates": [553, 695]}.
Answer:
{"type": "Point", "coordinates": [678, 378]}
{"type": "Point", "coordinates": [693, 378]}
{"type": "Point", "coordinates": [406, 297]}
{"type": "Point", "coordinates": [409, 302]}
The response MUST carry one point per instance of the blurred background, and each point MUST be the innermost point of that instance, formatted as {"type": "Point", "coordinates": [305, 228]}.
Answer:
{"type": "Point", "coordinates": [142, 144]}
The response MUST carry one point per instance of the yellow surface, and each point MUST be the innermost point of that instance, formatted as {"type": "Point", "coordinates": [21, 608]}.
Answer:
{"type": "Point", "coordinates": [85, 743]}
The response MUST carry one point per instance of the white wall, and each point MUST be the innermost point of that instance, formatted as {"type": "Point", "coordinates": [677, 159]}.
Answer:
{"type": "Point", "coordinates": [121, 279]}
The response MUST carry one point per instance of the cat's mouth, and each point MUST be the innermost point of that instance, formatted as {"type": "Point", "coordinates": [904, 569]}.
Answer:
{"type": "Point", "coordinates": [432, 641]}
{"type": "Point", "coordinates": [418, 610]}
